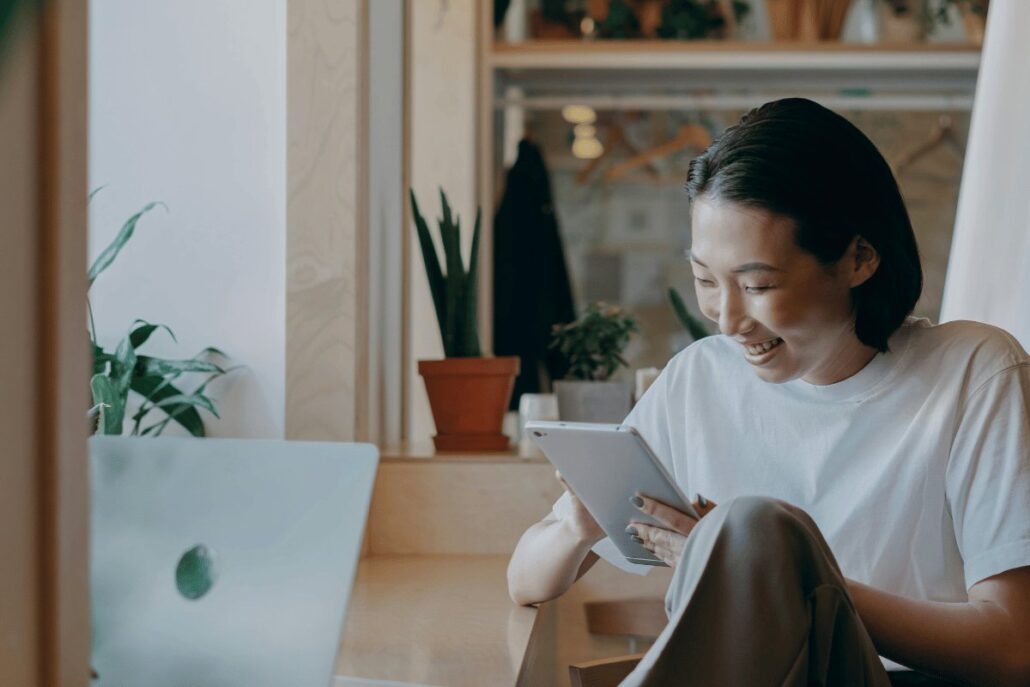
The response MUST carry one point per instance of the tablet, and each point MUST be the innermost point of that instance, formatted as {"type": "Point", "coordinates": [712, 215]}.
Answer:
{"type": "Point", "coordinates": [606, 465]}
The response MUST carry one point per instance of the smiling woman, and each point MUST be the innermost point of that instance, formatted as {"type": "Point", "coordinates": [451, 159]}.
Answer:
{"type": "Point", "coordinates": [871, 470]}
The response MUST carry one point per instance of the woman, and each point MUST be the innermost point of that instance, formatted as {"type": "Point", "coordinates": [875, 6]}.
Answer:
{"type": "Point", "coordinates": [871, 470]}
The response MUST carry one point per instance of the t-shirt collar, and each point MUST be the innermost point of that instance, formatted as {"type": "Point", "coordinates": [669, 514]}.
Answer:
{"type": "Point", "coordinates": [860, 384]}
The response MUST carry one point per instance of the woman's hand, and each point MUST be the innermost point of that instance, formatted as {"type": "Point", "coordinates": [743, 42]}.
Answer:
{"type": "Point", "coordinates": [666, 540]}
{"type": "Point", "coordinates": [579, 519]}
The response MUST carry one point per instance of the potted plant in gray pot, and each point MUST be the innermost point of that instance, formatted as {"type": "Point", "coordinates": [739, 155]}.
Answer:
{"type": "Point", "coordinates": [468, 392]}
{"type": "Point", "coordinates": [593, 346]}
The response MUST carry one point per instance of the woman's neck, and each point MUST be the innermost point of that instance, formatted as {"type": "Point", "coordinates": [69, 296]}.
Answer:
{"type": "Point", "coordinates": [850, 358]}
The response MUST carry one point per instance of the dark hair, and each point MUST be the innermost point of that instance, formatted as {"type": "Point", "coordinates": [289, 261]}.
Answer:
{"type": "Point", "coordinates": [795, 158]}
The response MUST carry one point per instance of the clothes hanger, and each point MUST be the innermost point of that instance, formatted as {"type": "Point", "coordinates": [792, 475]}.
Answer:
{"type": "Point", "coordinates": [616, 138]}
{"type": "Point", "coordinates": [942, 132]}
{"type": "Point", "coordinates": [689, 136]}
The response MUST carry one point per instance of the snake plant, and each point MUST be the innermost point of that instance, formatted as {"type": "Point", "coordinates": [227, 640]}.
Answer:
{"type": "Point", "coordinates": [454, 291]}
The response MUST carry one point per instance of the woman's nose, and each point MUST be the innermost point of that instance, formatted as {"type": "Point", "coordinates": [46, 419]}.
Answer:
{"type": "Point", "coordinates": [733, 316]}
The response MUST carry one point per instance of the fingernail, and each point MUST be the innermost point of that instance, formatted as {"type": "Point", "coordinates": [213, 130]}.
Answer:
{"type": "Point", "coordinates": [702, 501]}
{"type": "Point", "coordinates": [637, 501]}
{"type": "Point", "coordinates": [632, 530]}
{"type": "Point", "coordinates": [637, 539]}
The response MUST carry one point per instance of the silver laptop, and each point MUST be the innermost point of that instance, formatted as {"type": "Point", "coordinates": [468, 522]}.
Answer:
{"type": "Point", "coordinates": [223, 562]}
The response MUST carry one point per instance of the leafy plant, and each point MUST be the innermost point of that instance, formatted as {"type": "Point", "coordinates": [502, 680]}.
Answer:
{"type": "Point", "coordinates": [690, 19]}
{"type": "Point", "coordinates": [454, 292]}
{"type": "Point", "coordinates": [593, 344]}
{"type": "Point", "coordinates": [942, 14]}
{"type": "Point", "coordinates": [155, 380]}
{"type": "Point", "coordinates": [930, 17]}
{"type": "Point", "coordinates": [621, 21]}
{"type": "Point", "coordinates": [694, 327]}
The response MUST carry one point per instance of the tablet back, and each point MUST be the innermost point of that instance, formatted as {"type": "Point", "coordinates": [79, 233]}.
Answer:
{"type": "Point", "coordinates": [606, 465]}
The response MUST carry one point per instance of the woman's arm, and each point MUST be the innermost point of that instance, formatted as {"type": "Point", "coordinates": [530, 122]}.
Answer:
{"type": "Point", "coordinates": [985, 641]}
{"type": "Point", "coordinates": [553, 553]}
{"type": "Point", "coordinates": [549, 557]}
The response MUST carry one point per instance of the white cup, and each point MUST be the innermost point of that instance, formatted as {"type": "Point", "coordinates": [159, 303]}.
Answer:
{"type": "Point", "coordinates": [534, 407]}
{"type": "Point", "coordinates": [645, 378]}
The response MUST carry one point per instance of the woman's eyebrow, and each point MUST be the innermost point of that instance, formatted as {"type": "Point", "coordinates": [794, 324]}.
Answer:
{"type": "Point", "coordinates": [746, 267]}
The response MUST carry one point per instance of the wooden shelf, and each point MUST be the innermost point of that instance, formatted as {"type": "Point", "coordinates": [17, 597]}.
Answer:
{"type": "Point", "coordinates": [542, 67]}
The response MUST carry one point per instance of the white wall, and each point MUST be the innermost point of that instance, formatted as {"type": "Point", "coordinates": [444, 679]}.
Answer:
{"type": "Point", "coordinates": [188, 106]}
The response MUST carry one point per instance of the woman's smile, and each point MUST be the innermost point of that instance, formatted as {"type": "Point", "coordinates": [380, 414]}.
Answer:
{"type": "Point", "coordinates": [762, 352]}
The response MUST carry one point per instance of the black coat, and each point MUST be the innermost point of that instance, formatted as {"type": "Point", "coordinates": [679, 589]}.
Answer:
{"type": "Point", "coordinates": [531, 283]}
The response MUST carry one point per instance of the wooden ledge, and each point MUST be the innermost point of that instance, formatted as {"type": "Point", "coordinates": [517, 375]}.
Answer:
{"type": "Point", "coordinates": [425, 453]}
{"type": "Point", "coordinates": [440, 620]}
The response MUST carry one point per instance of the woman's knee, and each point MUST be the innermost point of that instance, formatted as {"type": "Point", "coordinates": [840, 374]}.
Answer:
{"type": "Point", "coordinates": [761, 515]}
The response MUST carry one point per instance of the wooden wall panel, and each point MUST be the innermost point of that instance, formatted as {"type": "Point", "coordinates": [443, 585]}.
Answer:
{"type": "Point", "coordinates": [44, 604]}
{"type": "Point", "coordinates": [19, 574]}
{"type": "Point", "coordinates": [325, 219]}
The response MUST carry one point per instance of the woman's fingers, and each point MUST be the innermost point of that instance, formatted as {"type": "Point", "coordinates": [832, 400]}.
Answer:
{"type": "Point", "coordinates": [665, 544]}
{"type": "Point", "coordinates": [702, 505]}
{"type": "Point", "coordinates": [666, 515]}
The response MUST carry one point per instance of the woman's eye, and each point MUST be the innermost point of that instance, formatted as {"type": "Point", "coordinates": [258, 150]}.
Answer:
{"type": "Point", "coordinates": [704, 282]}
{"type": "Point", "coordinates": [756, 289]}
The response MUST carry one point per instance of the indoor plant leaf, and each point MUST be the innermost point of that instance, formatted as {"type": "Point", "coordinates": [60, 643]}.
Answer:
{"type": "Point", "coordinates": [470, 340]}
{"type": "Point", "coordinates": [105, 259]}
{"type": "Point", "coordinates": [156, 389]}
{"type": "Point", "coordinates": [455, 285]}
{"type": "Point", "coordinates": [433, 270]}
{"type": "Point", "coordinates": [141, 333]}
{"type": "Point", "coordinates": [112, 408]}
{"type": "Point", "coordinates": [148, 365]}
{"type": "Point", "coordinates": [689, 322]}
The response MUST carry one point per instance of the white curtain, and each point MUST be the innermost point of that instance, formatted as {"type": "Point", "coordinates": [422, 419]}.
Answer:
{"type": "Point", "coordinates": [988, 275]}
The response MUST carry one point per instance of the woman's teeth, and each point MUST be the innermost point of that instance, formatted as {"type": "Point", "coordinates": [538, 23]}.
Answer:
{"type": "Point", "coordinates": [760, 348]}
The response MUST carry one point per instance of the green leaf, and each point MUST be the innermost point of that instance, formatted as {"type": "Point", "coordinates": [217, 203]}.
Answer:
{"type": "Point", "coordinates": [148, 365]}
{"type": "Point", "coordinates": [455, 280]}
{"type": "Point", "coordinates": [112, 407]}
{"type": "Point", "coordinates": [111, 252]}
{"type": "Point", "coordinates": [432, 262]}
{"type": "Point", "coordinates": [141, 333]}
{"type": "Point", "coordinates": [98, 189]}
{"type": "Point", "coordinates": [156, 389]}
{"type": "Point", "coordinates": [212, 349]}
{"type": "Point", "coordinates": [689, 322]}
{"type": "Point", "coordinates": [470, 340]}
{"type": "Point", "coordinates": [194, 399]}
{"type": "Point", "coordinates": [157, 427]}
{"type": "Point", "coordinates": [122, 366]}
{"type": "Point", "coordinates": [101, 359]}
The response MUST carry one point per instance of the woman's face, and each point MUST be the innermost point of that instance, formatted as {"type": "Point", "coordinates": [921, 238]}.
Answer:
{"type": "Point", "coordinates": [791, 314]}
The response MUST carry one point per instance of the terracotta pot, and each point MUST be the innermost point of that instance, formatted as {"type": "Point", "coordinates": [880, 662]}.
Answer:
{"type": "Point", "coordinates": [469, 397]}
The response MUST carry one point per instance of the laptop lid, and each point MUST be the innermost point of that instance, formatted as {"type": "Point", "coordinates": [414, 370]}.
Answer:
{"type": "Point", "coordinates": [223, 562]}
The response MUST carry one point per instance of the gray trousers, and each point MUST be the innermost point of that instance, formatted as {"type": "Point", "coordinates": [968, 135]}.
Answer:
{"type": "Point", "coordinates": [758, 600]}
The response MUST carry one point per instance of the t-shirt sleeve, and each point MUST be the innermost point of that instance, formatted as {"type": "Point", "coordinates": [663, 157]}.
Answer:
{"type": "Point", "coordinates": [988, 477]}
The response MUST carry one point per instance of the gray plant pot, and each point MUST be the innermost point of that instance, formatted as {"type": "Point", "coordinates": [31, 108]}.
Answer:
{"type": "Point", "coordinates": [593, 401]}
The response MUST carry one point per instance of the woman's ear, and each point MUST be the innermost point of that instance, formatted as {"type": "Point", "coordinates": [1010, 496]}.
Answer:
{"type": "Point", "coordinates": [864, 260]}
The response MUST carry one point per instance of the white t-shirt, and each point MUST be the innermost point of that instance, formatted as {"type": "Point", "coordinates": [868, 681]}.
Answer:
{"type": "Point", "coordinates": [916, 469]}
